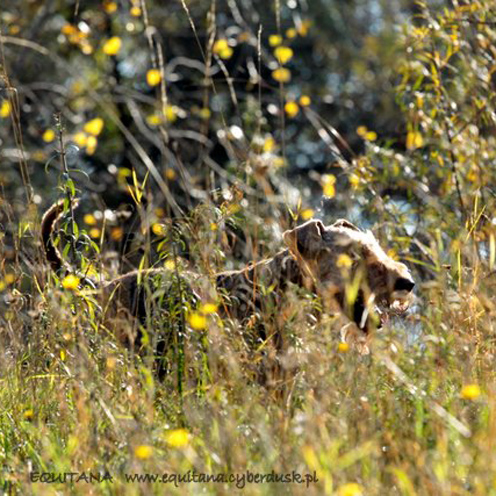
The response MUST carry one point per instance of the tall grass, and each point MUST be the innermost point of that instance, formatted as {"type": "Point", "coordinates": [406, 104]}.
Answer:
{"type": "Point", "coordinates": [415, 417]}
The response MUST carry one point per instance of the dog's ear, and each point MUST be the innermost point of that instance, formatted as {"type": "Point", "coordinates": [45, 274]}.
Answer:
{"type": "Point", "coordinates": [347, 224]}
{"type": "Point", "coordinates": [305, 240]}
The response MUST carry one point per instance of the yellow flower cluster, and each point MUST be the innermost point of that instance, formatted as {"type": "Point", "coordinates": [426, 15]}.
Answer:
{"type": "Point", "coordinates": [169, 114]}
{"type": "Point", "coordinates": [87, 138]}
{"type": "Point", "coordinates": [135, 10]}
{"type": "Point", "coordinates": [292, 109]}
{"type": "Point", "coordinates": [366, 134]}
{"type": "Point", "coordinates": [198, 320]}
{"type": "Point", "coordinates": [283, 53]}
{"type": "Point", "coordinates": [414, 140]}
{"type": "Point", "coordinates": [77, 36]}
{"type": "Point", "coordinates": [222, 49]}
{"type": "Point", "coordinates": [329, 185]}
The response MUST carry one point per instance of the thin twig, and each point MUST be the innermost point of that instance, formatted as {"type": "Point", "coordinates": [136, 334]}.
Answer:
{"type": "Point", "coordinates": [63, 162]}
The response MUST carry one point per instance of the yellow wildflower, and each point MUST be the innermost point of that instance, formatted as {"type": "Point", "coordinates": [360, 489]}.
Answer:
{"type": "Point", "coordinates": [292, 109]}
{"type": "Point", "coordinates": [170, 264]}
{"type": "Point", "coordinates": [154, 119]}
{"type": "Point", "coordinates": [112, 46]}
{"type": "Point", "coordinates": [110, 7]}
{"type": "Point", "coordinates": [329, 185]}
{"type": "Point", "coordinates": [197, 321]}
{"type": "Point", "coordinates": [28, 414]}
{"type": "Point", "coordinates": [222, 49]}
{"type": "Point", "coordinates": [94, 126]}
{"type": "Point", "coordinates": [69, 30]}
{"type": "Point", "coordinates": [305, 101]}
{"type": "Point", "coordinates": [153, 77]}
{"type": "Point", "coordinates": [361, 131]}
{"type": "Point", "coordinates": [110, 363]}
{"type": "Point", "coordinates": [80, 139]}
{"type": "Point", "coordinates": [306, 214]}
{"type": "Point", "coordinates": [116, 233]}
{"type": "Point", "coordinates": [158, 229]}
{"type": "Point", "coordinates": [414, 140]}
{"type": "Point", "coordinates": [48, 136]}
{"type": "Point", "coordinates": [269, 144]}
{"type": "Point", "coordinates": [209, 308]}
{"type": "Point", "coordinates": [86, 48]}
{"type": "Point", "coordinates": [5, 109]}
{"type": "Point", "coordinates": [170, 113]}
{"type": "Point", "coordinates": [220, 45]}
{"type": "Point", "coordinates": [354, 180]}
{"type": "Point", "coordinates": [303, 27]}
{"type": "Point", "coordinates": [291, 33]}
{"type": "Point", "coordinates": [470, 392]}
{"type": "Point", "coordinates": [350, 489]}
{"type": "Point", "coordinates": [143, 452]}
{"type": "Point", "coordinates": [70, 282]}
{"type": "Point", "coordinates": [205, 113]}
{"type": "Point", "coordinates": [282, 75]}
{"type": "Point", "coordinates": [91, 143]}
{"type": "Point", "coordinates": [89, 219]}
{"type": "Point", "coordinates": [283, 54]}
{"type": "Point", "coordinates": [177, 438]}
{"type": "Point", "coordinates": [95, 233]}
{"type": "Point", "coordinates": [226, 54]}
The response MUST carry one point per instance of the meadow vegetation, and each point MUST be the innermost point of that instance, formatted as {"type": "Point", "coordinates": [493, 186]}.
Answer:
{"type": "Point", "coordinates": [194, 133]}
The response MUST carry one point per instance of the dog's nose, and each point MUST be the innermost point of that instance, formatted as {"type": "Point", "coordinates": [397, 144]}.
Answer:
{"type": "Point", "coordinates": [403, 284]}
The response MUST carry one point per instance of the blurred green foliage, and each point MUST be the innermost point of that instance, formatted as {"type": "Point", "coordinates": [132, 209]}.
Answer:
{"type": "Point", "coordinates": [203, 101]}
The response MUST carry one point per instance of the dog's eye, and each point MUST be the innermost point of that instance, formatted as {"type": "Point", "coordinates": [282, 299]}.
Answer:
{"type": "Point", "coordinates": [403, 284]}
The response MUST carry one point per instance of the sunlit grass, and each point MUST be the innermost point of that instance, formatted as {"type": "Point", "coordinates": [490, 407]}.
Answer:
{"type": "Point", "coordinates": [204, 394]}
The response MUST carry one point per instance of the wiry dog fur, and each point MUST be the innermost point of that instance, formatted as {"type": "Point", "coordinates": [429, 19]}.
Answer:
{"type": "Point", "coordinates": [313, 258]}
